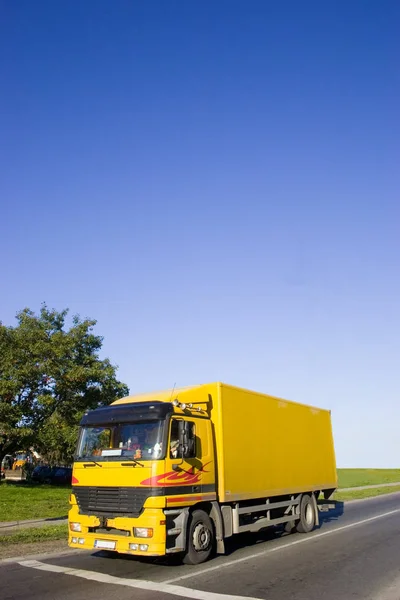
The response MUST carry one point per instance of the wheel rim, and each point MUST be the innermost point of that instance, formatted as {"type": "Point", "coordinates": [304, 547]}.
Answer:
{"type": "Point", "coordinates": [201, 538]}
{"type": "Point", "coordinates": [309, 514]}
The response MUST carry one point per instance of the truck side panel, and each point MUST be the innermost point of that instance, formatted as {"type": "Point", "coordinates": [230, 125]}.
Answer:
{"type": "Point", "coordinates": [271, 447]}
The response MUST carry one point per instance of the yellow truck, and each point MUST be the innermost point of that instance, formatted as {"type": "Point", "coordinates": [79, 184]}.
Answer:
{"type": "Point", "coordinates": [180, 471]}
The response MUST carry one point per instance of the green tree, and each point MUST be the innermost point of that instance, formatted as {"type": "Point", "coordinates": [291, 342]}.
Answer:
{"type": "Point", "coordinates": [49, 376]}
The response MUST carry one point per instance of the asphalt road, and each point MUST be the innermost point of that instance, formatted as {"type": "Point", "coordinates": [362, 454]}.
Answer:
{"type": "Point", "coordinates": [355, 555]}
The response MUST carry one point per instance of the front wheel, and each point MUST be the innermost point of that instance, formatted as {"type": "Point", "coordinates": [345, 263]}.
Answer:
{"type": "Point", "coordinates": [200, 541]}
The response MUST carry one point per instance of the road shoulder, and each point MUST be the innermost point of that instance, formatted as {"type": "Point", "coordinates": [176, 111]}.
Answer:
{"type": "Point", "coordinates": [16, 552]}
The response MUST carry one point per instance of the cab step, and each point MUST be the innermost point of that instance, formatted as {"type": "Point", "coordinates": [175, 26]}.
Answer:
{"type": "Point", "coordinates": [175, 531]}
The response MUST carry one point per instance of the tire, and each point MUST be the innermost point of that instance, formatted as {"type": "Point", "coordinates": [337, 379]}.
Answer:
{"type": "Point", "coordinates": [200, 540]}
{"type": "Point", "coordinates": [307, 515]}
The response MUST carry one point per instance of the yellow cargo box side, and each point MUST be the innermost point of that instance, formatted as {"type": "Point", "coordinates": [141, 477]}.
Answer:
{"type": "Point", "coordinates": [268, 446]}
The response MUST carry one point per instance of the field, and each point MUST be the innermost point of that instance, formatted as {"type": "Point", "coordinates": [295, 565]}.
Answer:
{"type": "Point", "coordinates": [369, 493]}
{"type": "Point", "coordinates": [360, 477]}
{"type": "Point", "coordinates": [20, 501]}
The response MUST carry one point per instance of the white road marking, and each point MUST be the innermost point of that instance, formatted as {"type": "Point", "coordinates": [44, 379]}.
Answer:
{"type": "Point", "coordinates": [232, 563]}
{"type": "Point", "coordinates": [164, 588]}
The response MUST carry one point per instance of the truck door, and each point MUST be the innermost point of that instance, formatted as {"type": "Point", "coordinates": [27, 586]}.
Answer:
{"type": "Point", "coordinates": [191, 465]}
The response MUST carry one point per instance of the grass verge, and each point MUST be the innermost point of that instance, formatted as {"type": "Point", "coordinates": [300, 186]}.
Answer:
{"type": "Point", "coordinates": [21, 501]}
{"type": "Point", "coordinates": [360, 494]}
{"type": "Point", "coordinates": [359, 477]}
{"type": "Point", "coordinates": [35, 534]}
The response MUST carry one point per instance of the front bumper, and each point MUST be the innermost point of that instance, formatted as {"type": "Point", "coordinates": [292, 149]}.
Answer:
{"type": "Point", "coordinates": [117, 534]}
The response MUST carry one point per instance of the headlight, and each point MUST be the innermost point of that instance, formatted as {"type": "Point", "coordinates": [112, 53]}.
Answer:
{"type": "Point", "coordinates": [75, 527]}
{"type": "Point", "coordinates": [142, 532]}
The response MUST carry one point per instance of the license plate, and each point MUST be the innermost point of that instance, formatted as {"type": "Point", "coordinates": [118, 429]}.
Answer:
{"type": "Point", "coordinates": [104, 544]}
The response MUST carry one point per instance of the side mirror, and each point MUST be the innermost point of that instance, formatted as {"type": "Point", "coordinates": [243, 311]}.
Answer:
{"type": "Point", "coordinates": [187, 439]}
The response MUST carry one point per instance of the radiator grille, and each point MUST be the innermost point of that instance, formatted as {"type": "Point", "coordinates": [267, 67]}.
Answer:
{"type": "Point", "coordinates": [109, 501]}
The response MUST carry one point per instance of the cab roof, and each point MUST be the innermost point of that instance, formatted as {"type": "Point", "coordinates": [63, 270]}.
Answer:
{"type": "Point", "coordinates": [161, 395]}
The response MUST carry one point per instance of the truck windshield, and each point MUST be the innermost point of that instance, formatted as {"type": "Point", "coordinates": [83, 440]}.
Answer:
{"type": "Point", "coordinates": [128, 440]}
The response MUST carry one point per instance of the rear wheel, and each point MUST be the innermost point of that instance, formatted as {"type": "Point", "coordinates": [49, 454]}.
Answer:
{"type": "Point", "coordinates": [307, 515]}
{"type": "Point", "coordinates": [200, 543]}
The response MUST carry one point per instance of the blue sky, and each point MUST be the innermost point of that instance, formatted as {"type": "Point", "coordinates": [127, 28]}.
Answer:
{"type": "Point", "coordinates": [216, 182]}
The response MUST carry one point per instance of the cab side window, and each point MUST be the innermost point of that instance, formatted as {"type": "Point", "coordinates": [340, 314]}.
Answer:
{"type": "Point", "coordinates": [174, 440]}
{"type": "Point", "coordinates": [189, 436]}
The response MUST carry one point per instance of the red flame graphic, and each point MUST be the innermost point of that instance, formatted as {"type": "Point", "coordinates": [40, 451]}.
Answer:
{"type": "Point", "coordinates": [175, 478]}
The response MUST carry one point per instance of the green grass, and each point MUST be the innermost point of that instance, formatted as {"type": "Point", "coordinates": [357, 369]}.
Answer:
{"type": "Point", "coordinates": [35, 534]}
{"type": "Point", "coordinates": [359, 477]}
{"type": "Point", "coordinates": [20, 501]}
{"type": "Point", "coordinates": [359, 494]}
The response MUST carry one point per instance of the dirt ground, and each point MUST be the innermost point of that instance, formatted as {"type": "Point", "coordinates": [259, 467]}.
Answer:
{"type": "Point", "coordinates": [34, 549]}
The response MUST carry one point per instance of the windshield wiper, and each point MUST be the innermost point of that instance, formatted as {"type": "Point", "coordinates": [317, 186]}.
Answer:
{"type": "Point", "coordinates": [132, 463]}
{"type": "Point", "coordinates": [94, 463]}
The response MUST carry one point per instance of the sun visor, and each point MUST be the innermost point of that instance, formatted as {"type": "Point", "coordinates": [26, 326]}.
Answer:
{"type": "Point", "coordinates": [127, 413]}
